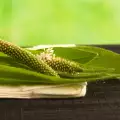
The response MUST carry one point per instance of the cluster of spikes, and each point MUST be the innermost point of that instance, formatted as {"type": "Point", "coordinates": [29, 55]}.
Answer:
{"type": "Point", "coordinates": [45, 63]}
{"type": "Point", "coordinates": [61, 65]}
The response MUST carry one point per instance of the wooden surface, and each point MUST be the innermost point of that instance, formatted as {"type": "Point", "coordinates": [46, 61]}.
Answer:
{"type": "Point", "coordinates": [102, 102]}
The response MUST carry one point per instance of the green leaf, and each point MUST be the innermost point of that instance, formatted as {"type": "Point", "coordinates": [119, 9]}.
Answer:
{"type": "Point", "coordinates": [17, 76]}
{"type": "Point", "coordinates": [89, 56]}
{"type": "Point", "coordinates": [105, 58]}
{"type": "Point", "coordinates": [13, 73]}
{"type": "Point", "coordinates": [5, 60]}
{"type": "Point", "coordinates": [71, 53]}
{"type": "Point", "coordinates": [75, 54]}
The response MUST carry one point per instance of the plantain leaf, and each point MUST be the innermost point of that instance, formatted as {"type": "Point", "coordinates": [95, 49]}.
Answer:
{"type": "Point", "coordinates": [71, 53]}
{"type": "Point", "coordinates": [89, 56]}
{"type": "Point", "coordinates": [92, 58]}
{"type": "Point", "coordinates": [105, 58]}
{"type": "Point", "coordinates": [17, 76]}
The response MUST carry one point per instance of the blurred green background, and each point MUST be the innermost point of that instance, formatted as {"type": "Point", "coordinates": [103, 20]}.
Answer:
{"type": "Point", "coordinates": [33, 22]}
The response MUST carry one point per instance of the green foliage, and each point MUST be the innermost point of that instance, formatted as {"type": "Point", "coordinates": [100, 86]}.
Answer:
{"type": "Point", "coordinates": [104, 58]}
{"type": "Point", "coordinates": [98, 65]}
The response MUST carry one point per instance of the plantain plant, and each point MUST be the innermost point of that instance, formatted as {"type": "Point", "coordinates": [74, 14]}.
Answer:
{"type": "Point", "coordinates": [57, 65]}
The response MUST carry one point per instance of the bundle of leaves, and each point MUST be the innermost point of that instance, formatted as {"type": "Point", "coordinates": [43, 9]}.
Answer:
{"type": "Point", "coordinates": [42, 65]}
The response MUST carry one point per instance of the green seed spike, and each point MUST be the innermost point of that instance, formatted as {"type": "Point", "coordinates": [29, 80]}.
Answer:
{"type": "Point", "coordinates": [60, 64]}
{"type": "Point", "coordinates": [26, 57]}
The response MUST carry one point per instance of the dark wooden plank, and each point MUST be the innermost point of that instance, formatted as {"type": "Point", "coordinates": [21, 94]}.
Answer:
{"type": "Point", "coordinates": [98, 104]}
